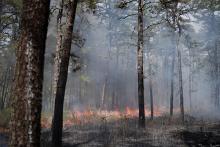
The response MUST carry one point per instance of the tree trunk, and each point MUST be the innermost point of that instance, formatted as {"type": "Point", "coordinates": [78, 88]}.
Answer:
{"type": "Point", "coordinates": [165, 77]}
{"type": "Point", "coordinates": [151, 91]}
{"type": "Point", "coordinates": [181, 85]}
{"type": "Point", "coordinates": [217, 85]}
{"type": "Point", "coordinates": [27, 95]}
{"type": "Point", "coordinates": [113, 101]}
{"type": "Point", "coordinates": [80, 91]}
{"type": "Point", "coordinates": [215, 60]}
{"type": "Point", "coordinates": [4, 89]}
{"type": "Point", "coordinates": [103, 94]}
{"type": "Point", "coordinates": [191, 68]}
{"type": "Point", "coordinates": [116, 83]}
{"type": "Point", "coordinates": [172, 83]}
{"type": "Point", "coordinates": [1, 7]}
{"type": "Point", "coordinates": [149, 60]}
{"type": "Point", "coordinates": [64, 41]}
{"type": "Point", "coordinates": [140, 64]}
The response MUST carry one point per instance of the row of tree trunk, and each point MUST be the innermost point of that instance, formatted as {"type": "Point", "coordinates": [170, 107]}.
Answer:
{"type": "Point", "coordinates": [27, 95]}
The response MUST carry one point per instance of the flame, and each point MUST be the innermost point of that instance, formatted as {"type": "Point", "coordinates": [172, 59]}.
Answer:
{"type": "Point", "coordinates": [92, 116]}
{"type": "Point", "coordinates": [131, 112]}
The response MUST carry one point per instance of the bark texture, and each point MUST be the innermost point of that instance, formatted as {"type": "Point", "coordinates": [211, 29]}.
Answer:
{"type": "Point", "coordinates": [27, 95]}
{"type": "Point", "coordinates": [140, 68]}
{"type": "Point", "coordinates": [64, 41]}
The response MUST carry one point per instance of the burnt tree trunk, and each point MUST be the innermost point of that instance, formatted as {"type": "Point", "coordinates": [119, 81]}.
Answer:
{"type": "Point", "coordinates": [140, 68]}
{"type": "Point", "coordinates": [27, 89]}
{"type": "Point", "coordinates": [64, 41]}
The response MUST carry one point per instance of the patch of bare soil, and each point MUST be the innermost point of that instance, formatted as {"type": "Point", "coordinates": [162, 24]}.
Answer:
{"type": "Point", "coordinates": [161, 132]}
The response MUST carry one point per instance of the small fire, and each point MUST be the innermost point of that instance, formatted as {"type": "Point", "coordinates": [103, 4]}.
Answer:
{"type": "Point", "coordinates": [131, 112]}
{"type": "Point", "coordinates": [92, 116]}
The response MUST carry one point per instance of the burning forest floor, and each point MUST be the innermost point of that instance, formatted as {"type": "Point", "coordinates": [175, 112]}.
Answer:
{"type": "Point", "coordinates": [119, 129]}
{"type": "Point", "coordinates": [99, 130]}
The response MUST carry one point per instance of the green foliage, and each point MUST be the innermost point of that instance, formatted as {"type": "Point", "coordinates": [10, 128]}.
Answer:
{"type": "Point", "coordinates": [5, 117]}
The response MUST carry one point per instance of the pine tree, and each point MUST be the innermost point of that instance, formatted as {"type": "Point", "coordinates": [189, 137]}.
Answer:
{"type": "Point", "coordinates": [64, 42]}
{"type": "Point", "coordinates": [27, 94]}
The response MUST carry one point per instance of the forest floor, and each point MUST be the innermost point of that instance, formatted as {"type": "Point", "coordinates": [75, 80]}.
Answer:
{"type": "Point", "coordinates": [160, 132]}
{"type": "Point", "coordinates": [123, 132]}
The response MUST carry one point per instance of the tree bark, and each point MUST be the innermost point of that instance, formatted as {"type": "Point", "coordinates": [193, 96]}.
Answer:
{"type": "Point", "coordinates": [140, 68]}
{"type": "Point", "coordinates": [27, 95]}
{"type": "Point", "coordinates": [64, 41]}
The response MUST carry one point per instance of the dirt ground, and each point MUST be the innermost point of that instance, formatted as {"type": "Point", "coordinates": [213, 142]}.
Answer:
{"type": "Point", "coordinates": [160, 132]}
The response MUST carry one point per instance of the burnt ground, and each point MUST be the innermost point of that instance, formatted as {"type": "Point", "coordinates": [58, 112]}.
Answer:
{"type": "Point", "coordinates": [161, 132]}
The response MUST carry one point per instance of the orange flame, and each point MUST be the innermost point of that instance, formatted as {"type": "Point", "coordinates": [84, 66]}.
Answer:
{"type": "Point", "coordinates": [92, 116]}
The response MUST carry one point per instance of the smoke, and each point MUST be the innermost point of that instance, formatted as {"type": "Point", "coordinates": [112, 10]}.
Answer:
{"type": "Point", "coordinates": [108, 64]}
